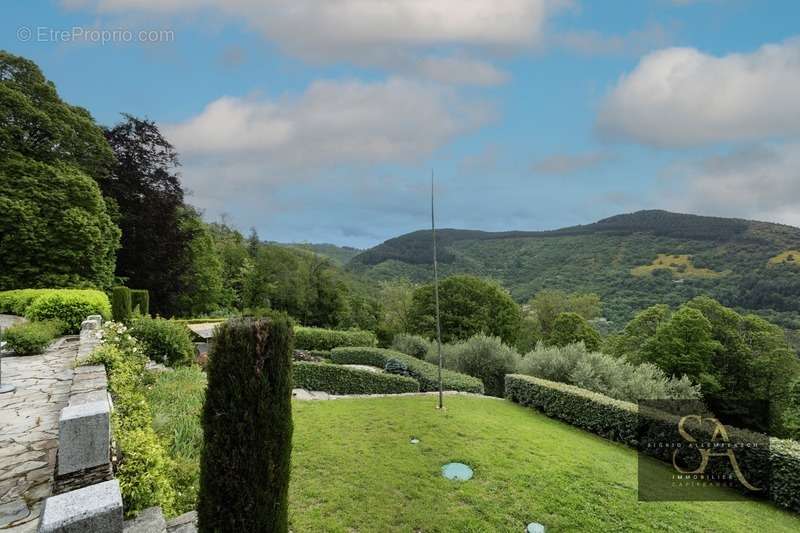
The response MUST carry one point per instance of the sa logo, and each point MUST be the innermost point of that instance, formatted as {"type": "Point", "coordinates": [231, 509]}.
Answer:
{"type": "Point", "coordinates": [719, 433]}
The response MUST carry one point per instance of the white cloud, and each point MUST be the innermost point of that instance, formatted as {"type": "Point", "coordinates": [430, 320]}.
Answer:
{"type": "Point", "coordinates": [761, 182]}
{"type": "Point", "coordinates": [681, 97]}
{"type": "Point", "coordinates": [564, 164]}
{"type": "Point", "coordinates": [460, 71]}
{"type": "Point", "coordinates": [357, 29]}
{"type": "Point", "coordinates": [240, 147]}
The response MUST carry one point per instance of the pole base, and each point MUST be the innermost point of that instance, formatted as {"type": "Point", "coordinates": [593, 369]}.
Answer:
{"type": "Point", "coordinates": [7, 387]}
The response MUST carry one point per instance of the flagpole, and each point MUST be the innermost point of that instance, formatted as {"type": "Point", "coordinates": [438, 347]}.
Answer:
{"type": "Point", "coordinates": [436, 297]}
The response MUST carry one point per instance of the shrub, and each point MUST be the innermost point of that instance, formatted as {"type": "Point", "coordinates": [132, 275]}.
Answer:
{"type": "Point", "coordinates": [32, 337]}
{"type": "Point", "coordinates": [425, 373]}
{"type": "Point", "coordinates": [574, 364]}
{"type": "Point", "coordinates": [144, 466]}
{"type": "Point", "coordinates": [618, 420]}
{"type": "Point", "coordinates": [393, 366]}
{"type": "Point", "coordinates": [247, 427]}
{"type": "Point", "coordinates": [16, 302]}
{"type": "Point", "coordinates": [71, 306]}
{"type": "Point", "coordinates": [140, 301]}
{"type": "Point", "coordinates": [328, 339]}
{"type": "Point", "coordinates": [413, 345]}
{"type": "Point", "coordinates": [487, 359]}
{"type": "Point", "coordinates": [337, 379]}
{"type": "Point", "coordinates": [121, 303]}
{"type": "Point", "coordinates": [164, 341]}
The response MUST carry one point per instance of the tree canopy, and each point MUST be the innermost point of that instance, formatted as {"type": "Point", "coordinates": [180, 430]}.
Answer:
{"type": "Point", "coordinates": [468, 305]}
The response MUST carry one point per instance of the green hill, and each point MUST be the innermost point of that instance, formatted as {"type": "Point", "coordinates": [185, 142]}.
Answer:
{"type": "Point", "coordinates": [340, 255]}
{"type": "Point", "coordinates": [631, 260]}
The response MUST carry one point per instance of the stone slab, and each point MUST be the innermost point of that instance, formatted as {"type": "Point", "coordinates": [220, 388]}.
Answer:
{"type": "Point", "coordinates": [84, 436]}
{"type": "Point", "coordinates": [97, 508]}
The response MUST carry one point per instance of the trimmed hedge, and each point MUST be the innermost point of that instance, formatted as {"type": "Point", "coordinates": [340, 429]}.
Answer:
{"type": "Point", "coordinates": [618, 420]}
{"type": "Point", "coordinates": [424, 372]}
{"type": "Point", "coordinates": [328, 339]}
{"type": "Point", "coordinates": [31, 338]}
{"type": "Point", "coordinates": [336, 379]}
{"type": "Point", "coordinates": [121, 303]}
{"type": "Point", "coordinates": [140, 298]}
{"type": "Point", "coordinates": [70, 306]}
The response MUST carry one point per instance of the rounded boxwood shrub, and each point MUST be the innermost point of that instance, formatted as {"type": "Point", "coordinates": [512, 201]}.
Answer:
{"type": "Point", "coordinates": [71, 306]}
{"type": "Point", "coordinates": [164, 341]}
{"type": "Point", "coordinates": [337, 379]}
{"type": "Point", "coordinates": [32, 337]}
{"type": "Point", "coordinates": [247, 427]}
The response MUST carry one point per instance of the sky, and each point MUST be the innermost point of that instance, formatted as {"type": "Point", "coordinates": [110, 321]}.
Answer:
{"type": "Point", "coordinates": [322, 120]}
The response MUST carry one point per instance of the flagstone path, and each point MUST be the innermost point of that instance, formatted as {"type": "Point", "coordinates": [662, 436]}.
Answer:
{"type": "Point", "coordinates": [29, 431]}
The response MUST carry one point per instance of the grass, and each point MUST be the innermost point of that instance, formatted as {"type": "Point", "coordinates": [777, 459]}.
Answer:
{"type": "Point", "coordinates": [787, 256]}
{"type": "Point", "coordinates": [679, 265]}
{"type": "Point", "coordinates": [354, 470]}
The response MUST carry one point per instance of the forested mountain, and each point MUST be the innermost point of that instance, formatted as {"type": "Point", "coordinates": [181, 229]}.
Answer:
{"type": "Point", "coordinates": [339, 255]}
{"type": "Point", "coordinates": [632, 261]}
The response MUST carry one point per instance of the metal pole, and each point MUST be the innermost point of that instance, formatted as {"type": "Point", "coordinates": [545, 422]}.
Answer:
{"type": "Point", "coordinates": [7, 387]}
{"type": "Point", "coordinates": [436, 298]}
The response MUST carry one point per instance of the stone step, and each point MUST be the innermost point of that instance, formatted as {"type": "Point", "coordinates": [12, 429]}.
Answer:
{"type": "Point", "coordinates": [151, 520]}
{"type": "Point", "coordinates": [185, 523]}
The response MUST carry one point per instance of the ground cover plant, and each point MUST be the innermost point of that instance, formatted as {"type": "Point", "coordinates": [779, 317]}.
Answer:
{"type": "Point", "coordinates": [354, 469]}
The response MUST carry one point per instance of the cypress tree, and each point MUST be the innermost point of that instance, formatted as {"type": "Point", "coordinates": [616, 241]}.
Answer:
{"type": "Point", "coordinates": [141, 298]}
{"type": "Point", "coordinates": [247, 426]}
{"type": "Point", "coordinates": [121, 303]}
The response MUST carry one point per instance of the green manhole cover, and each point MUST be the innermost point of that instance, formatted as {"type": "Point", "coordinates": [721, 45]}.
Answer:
{"type": "Point", "coordinates": [457, 471]}
{"type": "Point", "coordinates": [534, 527]}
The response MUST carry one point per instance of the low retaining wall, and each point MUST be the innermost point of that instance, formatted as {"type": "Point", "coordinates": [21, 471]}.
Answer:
{"type": "Point", "coordinates": [84, 440]}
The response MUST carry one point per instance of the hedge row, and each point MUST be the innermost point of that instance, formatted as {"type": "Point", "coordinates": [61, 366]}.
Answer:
{"type": "Point", "coordinates": [326, 339]}
{"type": "Point", "coordinates": [424, 372]}
{"type": "Point", "coordinates": [337, 379]}
{"type": "Point", "coordinates": [618, 420]}
{"type": "Point", "coordinates": [71, 306]}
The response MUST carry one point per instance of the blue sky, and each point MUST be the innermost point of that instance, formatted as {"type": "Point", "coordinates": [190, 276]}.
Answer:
{"type": "Point", "coordinates": [321, 120]}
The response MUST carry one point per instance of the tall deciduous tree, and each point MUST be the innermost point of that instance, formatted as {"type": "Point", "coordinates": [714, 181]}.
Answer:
{"type": "Point", "coordinates": [144, 183]}
{"type": "Point", "coordinates": [469, 305]}
{"type": "Point", "coordinates": [37, 124]}
{"type": "Point", "coordinates": [55, 230]}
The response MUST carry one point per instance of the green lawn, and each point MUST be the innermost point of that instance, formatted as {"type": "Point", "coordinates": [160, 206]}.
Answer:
{"type": "Point", "coordinates": [354, 469]}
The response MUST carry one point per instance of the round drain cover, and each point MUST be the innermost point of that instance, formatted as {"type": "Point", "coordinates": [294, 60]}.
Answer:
{"type": "Point", "coordinates": [457, 471]}
{"type": "Point", "coordinates": [534, 527]}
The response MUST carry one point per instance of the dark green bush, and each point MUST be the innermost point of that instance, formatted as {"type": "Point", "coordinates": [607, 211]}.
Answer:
{"type": "Point", "coordinates": [164, 341]}
{"type": "Point", "coordinates": [425, 373]}
{"type": "Point", "coordinates": [32, 337]}
{"type": "Point", "coordinates": [336, 379]}
{"type": "Point", "coordinates": [393, 366]}
{"type": "Point", "coordinates": [121, 303]}
{"type": "Point", "coordinates": [140, 301]}
{"type": "Point", "coordinates": [328, 339]}
{"type": "Point", "coordinates": [413, 345]}
{"type": "Point", "coordinates": [247, 426]}
{"type": "Point", "coordinates": [618, 420]}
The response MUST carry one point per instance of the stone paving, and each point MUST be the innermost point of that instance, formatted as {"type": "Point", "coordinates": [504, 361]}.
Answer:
{"type": "Point", "coordinates": [29, 431]}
